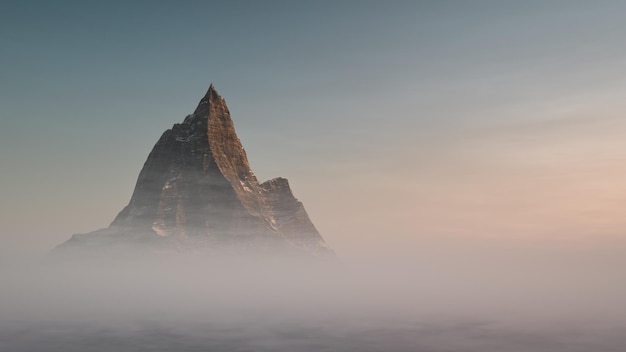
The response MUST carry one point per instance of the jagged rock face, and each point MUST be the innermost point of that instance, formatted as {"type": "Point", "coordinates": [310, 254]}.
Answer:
{"type": "Point", "coordinates": [288, 214]}
{"type": "Point", "coordinates": [196, 189]}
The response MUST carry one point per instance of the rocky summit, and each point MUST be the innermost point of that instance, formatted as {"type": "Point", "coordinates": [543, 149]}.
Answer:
{"type": "Point", "coordinates": [196, 191]}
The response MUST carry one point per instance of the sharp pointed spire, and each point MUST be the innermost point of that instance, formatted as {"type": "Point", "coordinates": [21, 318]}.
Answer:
{"type": "Point", "coordinates": [211, 97]}
{"type": "Point", "coordinates": [211, 93]}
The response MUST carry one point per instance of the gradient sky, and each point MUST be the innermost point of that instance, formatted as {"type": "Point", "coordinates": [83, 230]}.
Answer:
{"type": "Point", "coordinates": [395, 122]}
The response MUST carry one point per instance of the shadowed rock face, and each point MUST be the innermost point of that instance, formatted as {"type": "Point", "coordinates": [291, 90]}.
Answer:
{"type": "Point", "coordinates": [197, 191]}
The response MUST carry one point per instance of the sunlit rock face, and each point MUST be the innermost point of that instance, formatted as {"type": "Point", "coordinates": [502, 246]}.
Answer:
{"type": "Point", "coordinates": [196, 191]}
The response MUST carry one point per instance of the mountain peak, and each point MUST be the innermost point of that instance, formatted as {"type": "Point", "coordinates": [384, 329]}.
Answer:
{"type": "Point", "coordinates": [212, 94]}
{"type": "Point", "coordinates": [197, 189]}
{"type": "Point", "coordinates": [210, 101]}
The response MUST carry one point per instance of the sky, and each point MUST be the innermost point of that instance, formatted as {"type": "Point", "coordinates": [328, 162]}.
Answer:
{"type": "Point", "coordinates": [400, 124]}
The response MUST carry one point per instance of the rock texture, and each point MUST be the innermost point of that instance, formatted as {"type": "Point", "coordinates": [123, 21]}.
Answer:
{"type": "Point", "coordinates": [197, 191]}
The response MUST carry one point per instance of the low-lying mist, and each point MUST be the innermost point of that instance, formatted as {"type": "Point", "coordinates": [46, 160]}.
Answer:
{"type": "Point", "coordinates": [485, 299]}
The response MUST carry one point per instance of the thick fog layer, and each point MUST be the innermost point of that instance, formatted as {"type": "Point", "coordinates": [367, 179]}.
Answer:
{"type": "Point", "coordinates": [479, 299]}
